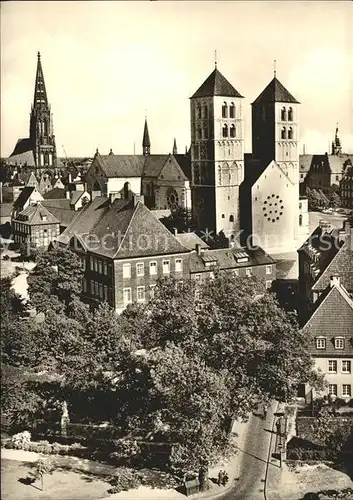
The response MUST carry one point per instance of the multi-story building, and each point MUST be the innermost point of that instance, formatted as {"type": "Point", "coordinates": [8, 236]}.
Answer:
{"type": "Point", "coordinates": [125, 249]}
{"type": "Point", "coordinates": [36, 226]}
{"type": "Point", "coordinates": [346, 188]}
{"type": "Point", "coordinates": [324, 171]}
{"type": "Point", "coordinates": [330, 330]}
{"type": "Point", "coordinates": [327, 252]}
{"type": "Point", "coordinates": [161, 178]}
{"type": "Point", "coordinates": [240, 262]}
{"type": "Point", "coordinates": [217, 157]}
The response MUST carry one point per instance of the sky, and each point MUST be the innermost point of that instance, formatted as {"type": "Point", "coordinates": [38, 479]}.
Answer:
{"type": "Point", "coordinates": [107, 65]}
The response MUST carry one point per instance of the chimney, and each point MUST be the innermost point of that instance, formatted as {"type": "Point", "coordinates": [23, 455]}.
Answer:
{"type": "Point", "coordinates": [175, 231]}
{"type": "Point", "coordinates": [325, 226]}
{"type": "Point", "coordinates": [335, 280]}
{"type": "Point", "coordinates": [137, 198]}
{"type": "Point", "coordinates": [70, 177]}
{"type": "Point", "coordinates": [68, 195]}
{"type": "Point", "coordinates": [198, 248]}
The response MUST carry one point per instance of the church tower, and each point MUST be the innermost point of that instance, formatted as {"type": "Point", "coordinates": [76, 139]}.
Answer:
{"type": "Point", "coordinates": [41, 124]}
{"type": "Point", "coordinates": [217, 160]}
{"type": "Point", "coordinates": [146, 143]}
{"type": "Point", "coordinates": [336, 144]}
{"type": "Point", "coordinates": [275, 129]}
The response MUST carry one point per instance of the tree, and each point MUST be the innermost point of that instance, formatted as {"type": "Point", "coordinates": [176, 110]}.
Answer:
{"type": "Point", "coordinates": [58, 273]}
{"type": "Point", "coordinates": [180, 219]}
{"type": "Point", "coordinates": [335, 200]}
{"type": "Point", "coordinates": [43, 467]}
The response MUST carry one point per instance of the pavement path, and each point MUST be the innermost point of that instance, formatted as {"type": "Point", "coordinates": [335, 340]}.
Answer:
{"type": "Point", "coordinates": [255, 460]}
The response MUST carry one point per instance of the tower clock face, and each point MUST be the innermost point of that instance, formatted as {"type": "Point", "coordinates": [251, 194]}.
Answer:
{"type": "Point", "coordinates": [273, 208]}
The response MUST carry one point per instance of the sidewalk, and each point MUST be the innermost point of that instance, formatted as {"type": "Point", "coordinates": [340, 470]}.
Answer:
{"type": "Point", "coordinates": [232, 467]}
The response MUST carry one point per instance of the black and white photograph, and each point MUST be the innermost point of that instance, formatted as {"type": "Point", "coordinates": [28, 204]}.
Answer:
{"type": "Point", "coordinates": [176, 243]}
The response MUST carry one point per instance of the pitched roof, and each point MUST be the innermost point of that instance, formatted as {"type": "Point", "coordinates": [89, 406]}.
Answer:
{"type": "Point", "coordinates": [325, 322]}
{"type": "Point", "coordinates": [23, 145]}
{"type": "Point", "coordinates": [61, 209]}
{"type": "Point", "coordinates": [184, 162]}
{"type": "Point", "coordinates": [154, 165]}
{"type": "Point", "coordinates": [275, 92]}
{"type": "Point", "coordinates": [55, 193]}
{"type": "Point", "coordinates": [23, 158]}
{"type": "Point", "coordinates": [333, 164]}
{"type": "Point", "coordinates": [22, 198]}
{"type": "Point", "coordinates": [120, 165]}
{"type": "Point", "coordinates": [36, 214]}
{"type": "Point", "coordinates": [226, 258]}
{"type": "Point", "coordinates": [190, 240]}
{"type": "Point", "coordinates": [133, 230]}
{"type": "Point", "coordinates": [75, 196]}
{"type": "Point", "coordinates": [216, 84]}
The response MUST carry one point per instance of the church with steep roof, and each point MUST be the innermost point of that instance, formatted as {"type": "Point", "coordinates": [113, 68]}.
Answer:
{"type": "Point", "coordinates": [251, 198]}
{"type": "Point", "coordinates": [38, 150]}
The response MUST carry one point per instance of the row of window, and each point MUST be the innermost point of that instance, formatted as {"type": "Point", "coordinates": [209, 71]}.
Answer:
{"type": "Point", "coordinates": [140, 294]}
{"type": "Point", "coordinates": [248, 274]}
{"type": "Point", "coordinates": [152, 268]}
{"type": "Point", "coordinates": [100, 266]}
{"type": "Point", "coordinates": [333, 365]}
{"type": "Point", "coordinates": [227, 111]}
{"type": "Point", "coordinates": [287, 115]}
{"type": "Point", "coordinates": [228, 131]}
{"type": "Point", "coordinates": [287, 133]}
{"type": "Point", "coordinates": [338, 342]}
{"type": "Point", "coordinates": [99, 290]}
{"type": "Point", "coordinates": [345, 393]}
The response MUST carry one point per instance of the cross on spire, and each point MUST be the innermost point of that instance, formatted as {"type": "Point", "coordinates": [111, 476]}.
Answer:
{"type": "Point", "coordinates": [215, 59]}
{"type": "Point", "coordinates": [274, 68]}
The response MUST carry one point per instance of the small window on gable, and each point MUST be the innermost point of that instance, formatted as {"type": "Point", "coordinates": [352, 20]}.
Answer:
{"type": "Point", "coordinates": [224, 110]}
{"type": "Point", "coordinates": [320, 343]}
{"type": "Point", "coordinates": [232, 110]}
{"type": "Point", "coordinates": [339, 343]}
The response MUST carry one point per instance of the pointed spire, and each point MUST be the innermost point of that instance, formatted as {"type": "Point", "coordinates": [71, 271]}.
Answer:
{"type": "Point", "coordinates": [336, 144]}
{"type": "Point", "coordinates": [40, 93]}
{"type": "Point", "coordinates": [175, 149]}
{"type": "Point", "coordinates": [146, 144]}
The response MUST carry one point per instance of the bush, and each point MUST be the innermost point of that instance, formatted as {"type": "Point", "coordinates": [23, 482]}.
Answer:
{"type": "Point", "coordinates": [21, 440]}
{"type": "Point", "coordinates": [125, 480]}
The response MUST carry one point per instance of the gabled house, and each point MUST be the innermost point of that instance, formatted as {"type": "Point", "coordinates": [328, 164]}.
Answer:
{"type": "Point", "coordinates": [27, 196]}
{"type": "Point", "coordinates": [124, 249]}
{"type": "Point", "coordinates": [36, 226]}
{"type": "Point", "coordinates": [327, 252]}
{"type": "Point", "coordinates": [330, 332]}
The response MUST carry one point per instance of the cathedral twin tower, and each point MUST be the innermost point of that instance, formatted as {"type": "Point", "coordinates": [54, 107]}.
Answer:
{"type": "Point", "coordinates": [259, 192]}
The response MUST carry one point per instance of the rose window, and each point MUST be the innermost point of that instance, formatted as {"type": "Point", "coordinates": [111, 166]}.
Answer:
{"type": "Point", "coordinates": [172, 199]}
{"type": "Point", "coordinates": [273, 208]}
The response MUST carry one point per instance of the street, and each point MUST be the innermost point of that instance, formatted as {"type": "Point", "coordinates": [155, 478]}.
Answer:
{"type": "Point", "coordinates": [254, 460]}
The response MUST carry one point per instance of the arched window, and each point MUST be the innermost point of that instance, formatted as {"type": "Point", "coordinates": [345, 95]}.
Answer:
{"type": "Point", "coordinates": [300, 220]}
{"type": "Point", "coordinates": [290, 114]}
{"type": "Point", "coordinates": [231, 218]}
{"type": "Point", "coordinates": [205, 132]}
{"type": "Point", "coordinates": [224, 110]}
{"type": "Point", "coordinates": [196, 174]}
{"type": "Point", "coordinates": [283, 133]}
{"type": "Point", "coordinates": [283, 114]}
{"type": "Point", "coordinates": [205, 111]}
{"type": "Point", "coordinates": [290, 133]}
{"type": "Point", "coordinates": [232, 130]}
{"type": "Point", "coordinates": [224, 131]}
{"type": "Point", "coordinates": [127, 189]}
{"type": "Point", "coordinates": [198, 133]}
{"type": "Point", "coordinates": [232, 110]}
{"type": "Point", "coordinates": [198, 111]}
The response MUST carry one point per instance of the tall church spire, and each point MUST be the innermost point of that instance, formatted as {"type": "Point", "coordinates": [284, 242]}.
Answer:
{"type": "Point", "coordinates": [336, 144]}
{"type": "Point", "coordinates": [41, 124]}
{"type": "Point", "coordinates": [175, 149]}
{"type": "Point", "coordinates": [146, 144]}
{"type": "Point", "coordinates": [40, 93]}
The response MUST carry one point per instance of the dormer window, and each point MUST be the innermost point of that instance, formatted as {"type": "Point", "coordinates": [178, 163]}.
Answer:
{"type": "Point", "coordinates": [339, 343]}
{"type": "Point", "coordinates": [224, 110]}
{"type": "Point", "coordinates": [241, 257]}
{"type": "Point", "coordinates": [232, 110]}
{"type": "Point", "coordinates": [320, 343]}
{"type": "Point", "coordinates": [44, 218]}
